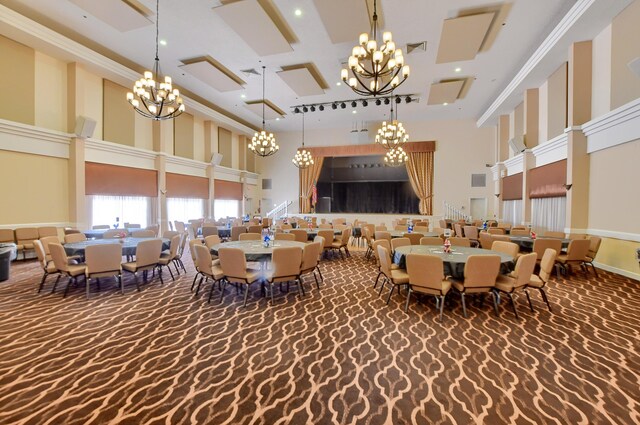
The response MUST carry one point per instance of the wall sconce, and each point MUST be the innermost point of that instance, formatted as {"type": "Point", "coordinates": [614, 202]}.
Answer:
{"type": "Point", "coordinates": [567, 186]}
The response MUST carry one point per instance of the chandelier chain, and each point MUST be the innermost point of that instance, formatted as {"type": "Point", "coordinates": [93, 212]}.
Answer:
{"type": "Point", "coordinates": [157, 27]}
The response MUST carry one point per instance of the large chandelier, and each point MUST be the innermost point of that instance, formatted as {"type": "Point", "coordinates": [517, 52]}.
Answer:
{"type": "Point", "coordinates": [375, 71]}
{"type": "Point", "coordinates": [302, 158]}
{"type": "Point", "coordinates": [396, 157]}
{"type": "Point", "coordinates": [151, 98]}
{"type": "Point", "coordinates": [392, 133]}
{"type": "Point", "coordinates": [263, 143]}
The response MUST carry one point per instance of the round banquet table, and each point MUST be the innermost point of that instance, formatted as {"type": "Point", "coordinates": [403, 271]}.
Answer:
{"type": "Point", "coordinates": [312, 233]}
{"type": "Point", "coordinates": [453, 262]}
{"type": "Point", "coordinates": [400, 234]}
{"type": "Point", "coordinates": [129, 245]}
{"type": "Point", "coordinates": [526, 242]}
{"type": "Point", "coordinates": [255, 250]}
{"type": "Point", "coordinates": [99, 233]}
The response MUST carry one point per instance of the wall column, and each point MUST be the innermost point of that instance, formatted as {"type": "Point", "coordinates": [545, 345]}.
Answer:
{"type": "Point", "coordinates": [209, 209]}
{"type": "Point", "coordinates": [161, 168]}
{"type": "Point", "coordinates": [531, 118]}
{"type": "Point", "coordinates": [528, 162]}
{"type": "Point", "coordinates": [77, 195]}
{"type": "Point", "coordinates": [502, 153]}
{"type": "Point", "coordinates": [498, 172]}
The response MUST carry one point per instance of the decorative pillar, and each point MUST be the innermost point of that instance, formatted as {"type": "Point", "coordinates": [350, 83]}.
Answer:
{"type": "Point", "coordinates": [209, 209]}
{"type": "Point", "coordinates": [499, 171]}
{"type": "Point", "coordinates": [77, 195]}
{"type": "Point", "coordinates": [502, 153]}
{"type": "Point", "coordinates": [161, 168]}
{"type": "Point", "coordinates": [531, 118]}
{"type": "Point", "coordinates": [528, 162]}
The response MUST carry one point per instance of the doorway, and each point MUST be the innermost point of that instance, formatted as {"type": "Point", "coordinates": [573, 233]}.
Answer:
{"type": "Point", "coordinates": [478, 208]}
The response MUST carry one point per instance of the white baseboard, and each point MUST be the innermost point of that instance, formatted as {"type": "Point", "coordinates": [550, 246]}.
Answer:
{"type": "Point", "coordinates": [625, 273]}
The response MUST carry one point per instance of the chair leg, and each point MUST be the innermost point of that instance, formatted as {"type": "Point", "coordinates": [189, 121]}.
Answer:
{"type": "Point", "coordinates": [316, 278]}
{"type": "Point", "coordinates": [558, 270]}
{"type": "Point", "coordinates": [406, 305]}
{"type": "Point", "coordinates": [495, 302]}
{"type": "Point", "coordinates": [320, 273]}
{"type": "Point", "coordinates": [224, 284]}
{"type": "Point", "coordinates": [246, 295]}
{"type": "Point", "coordinates": [194, 281]}
{"type": "Point", "coordinates": [135, 277]}
{"type": "Point", "coordinates": [199, 284]}
{"type": "Point", "coordinates": [393, 288]}
{"type": "Point", "coordinates": [66, 290]}
{"type": "Point", "coordinates": [160, 274]}
{"type": "Point", "coordinates": [213, 285]}
{"type": "Point", "coordinates": [120, 282]}
{"type": "Point", "coordinates": [44, 277]}
{"type": "Point", "coordinates": [594, 269]}
{"type": "Point", "coordinates": [182, 265]}
{"type": "Point", "coordinates": [56, 283]}
{"type": "Point", "coordinates": [382, 285]}
{"type": "Point", "coordinates": [377, 278]}
{"type": "Point", "coordinates": [300, 287]}
{"type": "Point", "coordinates": [441, 306]}
{"type": "Point", "coordinates": [464, 304]}
{"type": "Point", "coordinates": [271, 291]}
{"type": "Point", "coordinates": [544, 297]}
{"type": "Point", "coordinates": [513, 305]}
{"type": "Point", "coordinates": [529, 299]}
{"type": "Point", "coordinates": [87, 283]}
{"type": "Point", "coordinates": [175, 264]}
{"type": "Point", "coordinates": [170, 272]}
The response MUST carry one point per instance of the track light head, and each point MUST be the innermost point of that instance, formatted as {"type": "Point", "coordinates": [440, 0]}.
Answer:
{"type": "Point", "coordinates": [387, 101]}
{"type": "Point", "coordinates": [365, 103]}
{"type": "Point", "coordinates": [398, 100]}
{"type": "Point", "coordinates": [321, 107]}
{"type": "Point", "coordinates": [343, 105]}
{"type": "Point", "coordinates": [354, 104]}
{"type": "Point", "coordinates": [378, 102]}
{"type": "Point", "coordinates": [296, 111]}
{"type": "Point", "coordinates": [334, 106]}
{"type": "Point", "coordinates": [305, 109]}
{"type": "Point", "coordinates": [313, 108]}
{"type": "Point", "coordinates": [408, 99]}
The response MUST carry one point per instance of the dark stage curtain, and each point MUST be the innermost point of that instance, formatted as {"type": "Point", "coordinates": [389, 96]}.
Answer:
{"type": "Point", "coordinates": [370, 197]}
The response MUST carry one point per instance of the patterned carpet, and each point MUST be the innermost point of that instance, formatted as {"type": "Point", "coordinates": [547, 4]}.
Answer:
{"type": "Point", "coordinates": [339, 355]}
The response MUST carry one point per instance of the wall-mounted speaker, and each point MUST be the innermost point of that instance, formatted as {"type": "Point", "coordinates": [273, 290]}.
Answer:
{"type": "Point", "coordinates": [634, 66]}
{"type": "Point", "coordinates": [85, 127]}
{"type": "Point", "coordinates": [216, 159]}
{"type": "Point", "coordinates": [517, 144]}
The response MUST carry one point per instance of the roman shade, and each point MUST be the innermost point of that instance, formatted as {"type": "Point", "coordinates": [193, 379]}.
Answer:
{"type": "Point", "coordinates": [548, 181]}
{"type": "Point", "coordinates": [224, 189]}
{"type": "Point", "coordinates": [107, 179]}
{"type": "Point", "coordinates": [183, 186]}
{"type": "Point", "coordinates": [512, 187]}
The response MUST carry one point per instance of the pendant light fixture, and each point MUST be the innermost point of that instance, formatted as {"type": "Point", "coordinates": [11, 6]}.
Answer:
{"type": "Point", "coordinates": [263, 143]}
{"type": "Point", "coordinates": [396, 157]}
{"type": "Point", "coordinates": [152, 98]}
{"type": "Point", "coordinates": [392, 133]}
{"type": "Point", "coordinates": [303, 158]}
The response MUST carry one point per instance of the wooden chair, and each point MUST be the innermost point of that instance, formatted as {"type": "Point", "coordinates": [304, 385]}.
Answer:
{"type": "Point", "coordinates": [518, 280]}
{"type": "Point", "coordinates": [480, 274]}
{"type": "Point", "coordinates": [426, 276]}
{"type": "Point", "coordinates": [103, 261]}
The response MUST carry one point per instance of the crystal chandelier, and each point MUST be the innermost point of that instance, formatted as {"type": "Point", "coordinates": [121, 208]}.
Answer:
{"type": "Point", "coordinates": [396, 157]}
{"type": "Point", "coordinates": [302, 158]}
{"type": "Point", "coordinates": [263, 143]}
{"type": "Point", "coordinates": [151, 98]}
{"type": "Point", "coordinates": [375, 72]}
{"type": "Point", "coordinates": [392, 133]}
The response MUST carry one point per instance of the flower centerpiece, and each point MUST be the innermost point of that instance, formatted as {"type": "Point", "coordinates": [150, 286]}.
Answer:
{"type": "Point", "coordinates": [122, 235]}
{"type": "Point", "coordinates": [447, 246]}
{"type": "Point", "coordinates": [533, 234]}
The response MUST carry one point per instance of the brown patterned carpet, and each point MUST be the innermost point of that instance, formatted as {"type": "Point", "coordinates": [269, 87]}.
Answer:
{"type": "Point", "coordinates": [338, 355]}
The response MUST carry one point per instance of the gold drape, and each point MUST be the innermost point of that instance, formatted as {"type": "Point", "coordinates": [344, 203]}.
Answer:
{"type": "Point", "coordinates": [308, 176]}
{"type": "Point", "coordinates": [420, 170]}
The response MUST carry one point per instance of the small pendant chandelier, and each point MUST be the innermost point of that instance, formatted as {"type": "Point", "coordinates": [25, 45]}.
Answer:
{"type": "Point", "coordinates": [263, 143]}
{"type": "Point", "coordinates": [152, 99]}
{"type": "Point", "coordinates": [396, 157]}
{"type": "Point", "coordinates": [375, 72]}
{"type": "Point", "coordinates": [303, 158]}
{"type": "Point", "coordinates": [392, 133]}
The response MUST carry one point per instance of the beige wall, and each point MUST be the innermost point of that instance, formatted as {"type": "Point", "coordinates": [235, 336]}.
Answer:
{"type": "Point", "coordinates": [625, 46]}
{"type": "Point", "coordinates": [225, 146]}
{"type": "Point", "coordinates": [90, 96]}
{"type": "Point", "coordinates": [557, 102]}
{"type": "Point", "coordinates": [118, 116]}
{"type": "Point", "coordinates": [183, 136]}
{"type": "Point", "coordinates": [17, 82]}
{"type": "Point", "coordinates": [144, 132]}
{"type": "Point", "coordinates": [543, 119]}
{"type": "Point", "coordinates": [40, 195]}
{"type": "Point", "coordinates": [601, 82]}
{"type": "Point", "coordinates": [51, 89]}
{"type": "Point", "coordinates": [198, 140]}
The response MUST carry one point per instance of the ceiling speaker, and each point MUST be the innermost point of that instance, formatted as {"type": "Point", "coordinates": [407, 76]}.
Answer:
{"type": "Point", "coordinates": [216, 159]}
{"type": "Point", "coordinates": [85, 127]}
{"type": "Point", "coordinates": [517, 144]}
{"type": "Point", "coordinates": [634, 66]}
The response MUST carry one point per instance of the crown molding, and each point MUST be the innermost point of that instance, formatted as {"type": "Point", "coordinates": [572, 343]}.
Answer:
{"type": "Point", "coordinates": [515, 164]}
{"type": "Point", "coordinates": [24, 138]}
{"type": "Point", "coordinates": [551, 151]}
{"type": "Point", "coordinates": [614, 128]}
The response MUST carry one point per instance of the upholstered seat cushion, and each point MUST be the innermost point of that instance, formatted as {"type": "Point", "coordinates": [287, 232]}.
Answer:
{"type": "Point", "coordinates": [51, 268]}
{"type": "Point", "coordinates": [459, 286]}
{"type": "Point", "coordinates": [217, 271]}
{"type": "Point", "coordinates": [130, 267]}
{"type": "Point", "coordinates": [215, 262]}
{"type": "Point", "coordinates": [27, 245]}
{"type": "Point", "coordinates": [165, 259]}
{"type": "Point", "coordinates": [535, 282]}
{"type": "Point", "coordinates": [446, 286]}
{"type": "Point", "coordinates": [76, 269]}
{"type": "Point", "coordinates": [505, 283]}
{"type": "Point", "coordinates": [399, 276]}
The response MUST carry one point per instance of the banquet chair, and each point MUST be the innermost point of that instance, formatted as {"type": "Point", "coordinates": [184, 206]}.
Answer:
{"type": "Point", "coordinates": [169, 257]}
{"type": "Point", "coordinates": [421, 223]}
{"type": "Point", "coordinates": [209, 231]}
{"type": "Point", "coordinates": [250, 237]}
{"type": "Point", "coordinates": [540, 280]}
{"type": "Point", "coordinates": [299, 235]}
{"type": "Point", "coordinates": [61, 262]}
{"type": "Point", "coordinates": [573, 236]}
{"type": "Point", "coordinates": [255, 229]}
{"type": "Point", "coordinates": [426, 276]}
{"type": "Point", "coordinates": [103, 261]}
{"type": "Point", "coordinates": [179, 226]}
{"type": "Point", "coordinates": [286, 263]}
{"type": "Point", "coordinates": [540, 245]}
{"type": "Point", "coordinates": [518, 228]}
{"type": "Point", "coordinates": [369, 241]}
{"type": "Point", "coordinates": [496, 231]}
{"type": "Point", "coordinates": [112, 234]}
{"type": "Point", "coordinates": [471, 233]}
{"type": "Point", "coordinates": [400, 228]}
{"type": "Point", "coordinates": [236, 231]}
{"type": "Point", "coordinates": [394, 276]}
{"type": "Point", "coordinates": [439, 231]}
{"type": "Point", "coordinates": [382, 234]}
{"type": "Point", "coordinates": [74, 237]}
{"type": "Point", "coordinates": [310, 261]}
{"type": "Point", "coordinates": [46, 241]}
{"type": "Point", "coordinates": [480, 274]}
{"type": "Point", "coordinates": [132, 226]}
{"type": "Point", "coordinates": [192, 251]}
{"type": "Point", "coordinates": [155, 228]}
{"type": "Point", "coordinates": [48, 267]}
{"type": "Point", "coordinates": [505, 226]}
{"type": "Point", "coordinates": [518, 280]}
{"type": "Point", "coordinates": [385, 243]}
{"type": "Point", "coordinates": [180, 253]}
{"type": "Point", "coordinates": [24, 239]}
{"type": "Point", "coordinates": [207, 269]}
{"type": "Point", "coordinates": [147, 258]}
{"type": "Point", "coordinates": [100, 226]}
{"type": "Point", "coordinates": [577, 252]}
{"type": "Point", "coordinates": [414, 238]}
{"type": "Point", "coordinates": [211, 240]}
{"type": "Point", "coordinates": [549, 234]}
{"type": "Point", "coordinates": [594, 247]}
{"type": "Point", "coordinates": [288, 227]}
{"type": "Point", "coordinates": [501, 238]}
{"type": "Point", "coordinates": [283, 236]}
{"type": "Point", "coordinates": [168, 234]}
{"type": "Point", "coordinates": [398, 242]}
{"type": "Point", "coordinates": [234, 267]}
{"type": "Point", "coordinates": [421, 229]}
{"type": "Point", "coordinates": [458, 228]}
{"type": "Point", "coordinates": [486, 240]}
{"type": "Point", "coordinates": [143, 234]}
{"type": "Point", "coordinates": [325, 226]}
{"type": "Point", "coordinates": [430, 240]}
{"type": "Point", "coordinates": [47, 231]}
{"type": "Point", "coordinates": [328, 236]}
{"type": "Point", "coordinates": [380, 227]}
{"type": "Point", "coordinates": [519, 232]}
{"type": "Point", "coordinates": [342, 243]}
{"type": "Point", "coordinates": [442, 224]}
{"type": "Point", "coordinates": [508, 248]}
{"type": "Point", "coordinates": [457, 241]}
{"type": "Point", "coordinates": [7, 236]}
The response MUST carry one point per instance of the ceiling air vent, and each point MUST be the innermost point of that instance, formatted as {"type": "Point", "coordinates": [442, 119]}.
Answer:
{"type": "Point", "coordinates": [266, 184]}
{"type": "Point", "coordinates": [417, 47]}
{"type": "Point", "coordinates": [478, 180]}
{"type": "Point", "coordinates": [250, 72]}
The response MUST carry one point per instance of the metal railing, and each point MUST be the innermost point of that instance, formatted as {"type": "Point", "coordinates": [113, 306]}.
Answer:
{"type": "Point", "coordinates": [453, 213]}
{"type": "Point", "coordinates": [281, 210]}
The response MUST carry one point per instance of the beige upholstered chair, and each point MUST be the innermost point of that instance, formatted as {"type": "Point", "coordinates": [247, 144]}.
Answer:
{"type": "Point", "coordinates": [458, 228]}
{"type": "Point", "coordinates": [502, 238]}
{"type": "Point", "coordinates": [573, 236]}
{"type": "Point", "coordinates": [559, 235]}
{"type": "Point", "coordinates": [400, 228]}
{"type": "Point", "coordinates": [395, 277]}
{"type": "Point", "coordinates": [310, 261]}
{"type": "Point", "coordinates": [486, 240]}
{"type": "Point", "coordinates": [207, 269]}
{"type": "Point", "coordinates": [540, 245]}
{"type": "Point", "coordinates": [155, 228]}
{"type": "Point", "coordinates": [421, 223]}
{"type": "Point", "coordinates": [442, 224]}
{"type": "Point", "coordinates": [299, 235]}
{"type": "Point", "coordinates": [144, 234]}
{"type": "Point", "coordinates": [439, 231]}
{"type": "Point", "coordinates": [518, 228]}
{"type": "Point", "coordinates": [508, 248]}
{"type": "Point", "coordinates": [381, 227]}
{"type": "Point", "coordinates": [61, 262]}
{"type": "Point", "coordinates": [211, 240]}
{"type": "Point", "coordinates": [132, 226]}
{"type": "Point", "coordinates": [180, 253]}
{"type": "Point", "coordinates": [398, 242]}
{"type": "Point", "coordinates": [168, 234]}
{"type": "Point", "coordinates": [505, 226]}
{"type": "Point", "coordinates": [577, 253]}
{"type": "Point", "coordinates": [167, 258]}
{"type": "Point", "coordinates": [255, 229]}
{"type": "Point", "coordinates": [234, 267]}
{"type": "Point", "coordinates": [47, 231]}
{"type": "Point", "coordinates": [192, 251]}
{"type": "Point", "coordinates": [343, 242]}
{"type": "Point", "coordinates": [420, 229]}
{"type": "Point", "coordinates": [594, 247]}
{"type": "Point", "coordinates": [286, 263]}
{"type": "Point", "coordinates": [480, 274]}
{"type": "Point", "coordinates": [414, 238]}
{"type": "Point", "coordinates": [112, 234]}
{"type": "Point", "coordinates": [24, 239]}
{"type": "Point", "coordinates": [496, 231]}
{"type": "Point", "coordinates": [179, 226]}
{"type": "Point", "coordinates": [283, 236]}
{"type": "Point", "coordinates": [209, 231]}
{"type": "Point", "coordinates": [325, 226]}
{"type": "Point", "coordinates": [74, 237]}
{"type": "Point", "coordinates": [46, 241]}
{"type": "Point", "coordinates": [385, 243]}
{"type": "Point", "coordinates": [471, 233]}
{"type": "Point", "coordinates": [100, 226]}
{"type": "Point", "coordinates": [518, 279]}
{"type": "Point", "coordinates": [540, 280]}
{"type": "Point", "coordinates": [147, 257]}
{"type": "Point", "coordinates": [103, 261]}
{"type": "Point", "coordinates": [519, 232]}
{"type": "Point", "coordinates": [431, 240]}
{"type": "Point", "coordinates": [48, 267]}
{"type": "Point", "coordinates": [382, 234]}
{"type": "Point", "coordinates": [249, 237]}
{"type": "Point", "coordinates": [460, 242]}
{"type": "Point", "coordinates": [236, 231]}
{"type": "Point", "coordinates": [327, 235]}
{"type": "Point", "coordinates": [7, 236]}
{"type": "Point", "coordinates": [426, 276]}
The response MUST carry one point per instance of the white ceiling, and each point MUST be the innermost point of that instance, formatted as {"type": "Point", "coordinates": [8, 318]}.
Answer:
{"type": "Point", "coordinates": [193, 29]}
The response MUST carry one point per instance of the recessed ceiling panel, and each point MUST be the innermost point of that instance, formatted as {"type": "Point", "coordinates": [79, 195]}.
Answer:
{"type": "Point", "coordinates": [211, 72]}
{"type": "Point", "coordinates": [252, 23]}
{"type": "Point", "coordinates": [461, 38]}
{"type": "Point", "coordinates": [302, 80]}
{"type": "Point", "coordinates": [123, 15]}
{"type": "Point", "coordinates": [271, 111]}
{"type": "Point", "coordinates": [344, 20]}
{"type": "Point", "coordinates": [446, 92]}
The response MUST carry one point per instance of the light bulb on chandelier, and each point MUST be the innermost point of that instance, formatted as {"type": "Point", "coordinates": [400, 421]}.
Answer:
{"type": "Point", "coordinates": [263, 143]}
{"type": "Point", "coordinates": [396, 157]}
{"type": "Point", "coordinates": [303, 158]}
{"type": "Point", "coordinates": [392, 133]}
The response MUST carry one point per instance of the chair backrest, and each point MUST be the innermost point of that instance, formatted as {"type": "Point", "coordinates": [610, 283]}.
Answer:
{"type": "Point", "coordinates": [7, 235]}
{"type": "Point", "coordinates": [286, 261]}
{"type": "Point", "coordinates": [549, 234]}
{"type": "Point", "coordinates": [486, 240]}
{"type": "Point", "coordinates": [398, 242]}
{"type": "Point", "coordinates": [26, 234]}
{"type": "Point", "coordinates": [328, 237]}
{"type": "Point", "coordinates": [380, 242]}
{"type": "Point", "coordinates": [481, 271]}
{"type": "Point", "coordinates": [192, 244]}
{"type": "Point", "coordinates": [255, 229]}
{"type": "Point", "coordinates": [283, 236]}
{"type": "Point", "coordinates": [113, 233]}
{"type": "Point", "coordinates": [458, 229]}
{"type": "Point", "coordinates": [381, 227]}
{"type": "Point", "coordinates": [37, 246]}
{"type": "Point", "coordinates": [103, 258]}
{"type": "Point", "coordinates": [385, 260]}
{"type": "Point", "coordinates": [425, 270]}
{"type": "Point", "coordinates": [442, 223]}
{"type": "Point", "coordinates": [209, 230]}
{"type": "Point", "coordinates": [74, 237]}
{"type": "Point", "coordinates": [594, 246]}
{"type": "Point", "coordinates": [421, 223]}
{"type": "Point", "coordinates": [370, 228]}
{"type": "Point", "coordinates": [59, 257]}
{"type": "Point", "coordinates": [439, 231]}
{"type": "Point", "coordinates": [179, 226]}
{"type": "Point", "coordinates": [132, 226]}
{"type": "Point", "coordinates": [299, 235]}
{"type": "Point", "coordinates": [508, 248]}
{"type": "Point", "coordinates": [471, 232]}
{"type": "Point", "coordinates": [518, 228]}
{"type": "Point", "coordinates": [573, 236]}
{"type": "Point", "coordinates": [496, 230]}
{"type": "Point", "coordinates": [547, 263]}
{"type": "Point", "coordinates": [233, 263]}
{"type": "Point", "coordinates": [203, 259]}
{"type": "Point", "coordinates": [148, 252]}
{"type": "Point", "coordinates": [325, 226]}
{"type": "Point", "coordinates": [48, 240]}
{"type": "Point", "coordinates": [47, 231]}
{"type": "Point", "coordinates": [381, 234]}
{"type": "Point", "coordinates": [519, 232]}
{"type": "Point", "coordinates": [346, 234]}
{"type": "Point", "coordinates": [168, 234]}
{"type": "Point", "coordinates": [414, 238]}
{"type": "Point", "coordinates": [143, 234]}
{"type": "Point", "coordinates": [236, 231]}
{"type": "Point", "coordinates": [460, 242]}
{"type": "Point", "coordinates": [100, 226]}
{"type": "Point", "coordinates": [578, 249]}
{"type": "Point", "coordinates": [250, 237]}
{"type": "Point", "coordinates": [155, 228]}
{"type": "Point", "coordinates": [524, 269]}
{"type": "Point", "coordinates": [504, 225]}
{"type": "Point", "coordinates": [310, 255]}
{"type": "Point", "coordinates": [400, 227]}
{"type": "Point", "coordinates": [540, 245]}
{"type": "Point", "coordinates": [502, 238]}
{"type": "Point", "coordinates": [211, 240]}
{"type": "Point", "coordinates": [174, 245]}
{"type": "Point", "coordinates": [320, 240]}
{"type": "Point", "coordinates": [430, 240]}
{"type": "Point", "coordinates": [421, 229]}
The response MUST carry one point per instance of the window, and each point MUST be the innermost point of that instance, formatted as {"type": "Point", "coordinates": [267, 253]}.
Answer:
{"type": "Point", "coordinates": [128, 209]}
{"type": "Point", "coordinates": [226, 208]}
{"type": "Point", "coordinates": [184, 209]}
